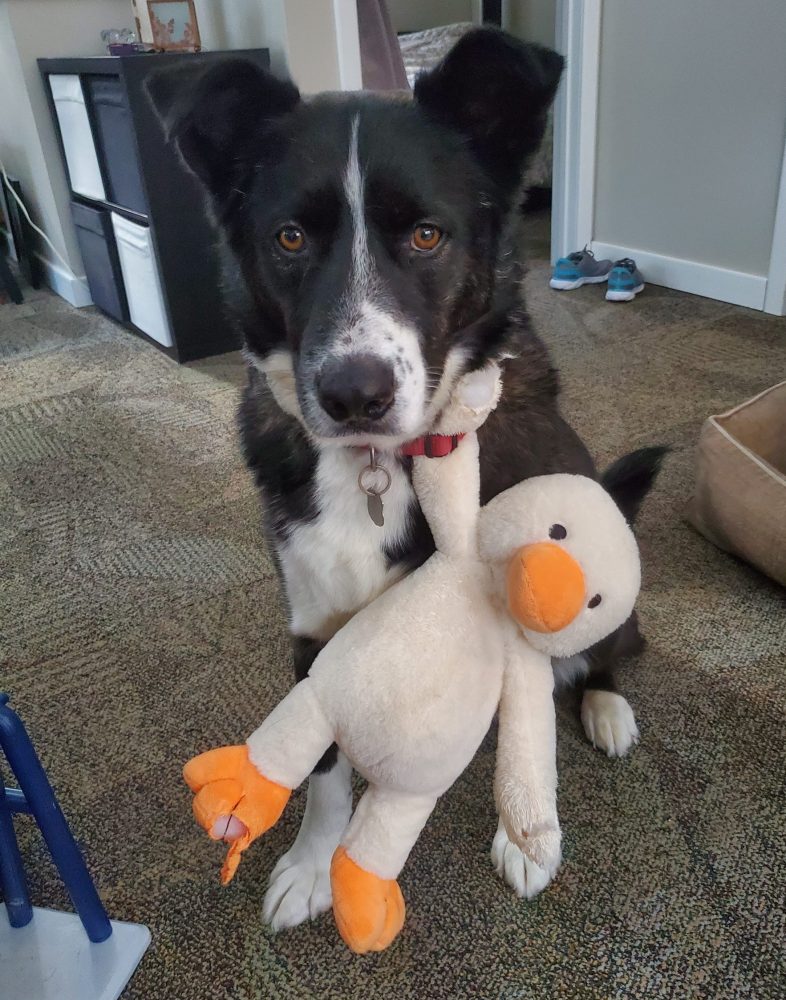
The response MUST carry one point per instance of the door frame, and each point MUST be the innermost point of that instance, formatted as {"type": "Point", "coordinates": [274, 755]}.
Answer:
{"type": "Point", "coordinates": [345, 21]}
{"type": "Point", "coordinates": [578, 38]}
{"type": "Point", "coordinates": [775, 296]}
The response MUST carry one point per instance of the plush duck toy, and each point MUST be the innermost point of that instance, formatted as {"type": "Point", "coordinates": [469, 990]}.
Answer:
{"type": "Point", "coordinates": [408, 688]}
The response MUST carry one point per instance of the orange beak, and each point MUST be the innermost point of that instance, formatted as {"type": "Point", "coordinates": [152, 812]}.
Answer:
{"type": "Point", "coordinates": [545, 587]}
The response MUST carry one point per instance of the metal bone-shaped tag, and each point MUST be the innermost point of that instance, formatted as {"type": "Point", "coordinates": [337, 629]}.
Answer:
{"type": "Point", "coordinates": [368, 480]}
{"type": "Point", "coordinates": [375, 510]}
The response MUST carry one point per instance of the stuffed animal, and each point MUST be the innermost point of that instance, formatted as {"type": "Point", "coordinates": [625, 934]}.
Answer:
{"type": "Point", "coordinates": [408, 688]}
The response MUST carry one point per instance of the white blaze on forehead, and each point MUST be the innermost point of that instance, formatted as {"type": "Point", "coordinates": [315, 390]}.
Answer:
{"type": "Point", "coordinates": [354, 188]}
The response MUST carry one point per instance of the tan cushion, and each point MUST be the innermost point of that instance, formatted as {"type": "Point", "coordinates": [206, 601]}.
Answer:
{"type": "Point", "coordinates": [740, 498]}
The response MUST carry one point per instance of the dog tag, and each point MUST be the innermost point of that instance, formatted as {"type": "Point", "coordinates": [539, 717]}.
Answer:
{"type": "Point", "coordinates": [375, 512]}
{"type": "Point", "coordinates": [368, 480]}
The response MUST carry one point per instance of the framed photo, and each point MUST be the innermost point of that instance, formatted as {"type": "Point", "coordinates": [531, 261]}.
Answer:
{"type": "Point", "coordinates": [173, 25]}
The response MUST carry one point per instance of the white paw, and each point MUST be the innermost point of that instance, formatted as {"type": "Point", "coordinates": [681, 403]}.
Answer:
{"type": "Point", "coordinates": [522, 875]}
{"type": "Point", "coordinates": [299, 889]}
{"type": "Point", "coordinates": [608, 722]}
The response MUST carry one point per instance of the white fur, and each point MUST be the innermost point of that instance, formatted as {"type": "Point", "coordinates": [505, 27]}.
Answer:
{"type": "Point", "coordinates": [374, 330]}
{"type": "Point", "coordinates": [299, 887]}
{"type": "Point", "coordinates": [335, 565]}
{"type": "Point", "coordinates": [377, 332]}
{"type": "Point", "coordinates": [354, 189]}
{"type": "Point", "coordinates": [609, 722]}
{"type": "Point", "coordinates": [522, 875]}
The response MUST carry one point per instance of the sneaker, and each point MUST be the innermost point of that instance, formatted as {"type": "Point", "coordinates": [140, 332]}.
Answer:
{"type": "Point", "coordinates": [579, 269]}
{"type": "Point", "coordinates": [625, 281]}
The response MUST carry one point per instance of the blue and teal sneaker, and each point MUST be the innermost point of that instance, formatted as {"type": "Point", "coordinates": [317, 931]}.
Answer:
{"type": "Point", "coordinates": [625, 281]}
{"type": "Point", "coordinates": [579, 269]}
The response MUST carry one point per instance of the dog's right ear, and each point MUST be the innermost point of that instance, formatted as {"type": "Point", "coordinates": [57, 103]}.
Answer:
{"type": "Point", "coordinates": [495, 91]}
{"type": "Point", "coordinates": [219, 118]}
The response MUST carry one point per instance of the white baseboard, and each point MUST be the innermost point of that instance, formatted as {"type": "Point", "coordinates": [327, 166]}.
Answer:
{"type": "Point", "coordinates": [708, 280]}
{"type": "Point", "coordinates": [67, 286]}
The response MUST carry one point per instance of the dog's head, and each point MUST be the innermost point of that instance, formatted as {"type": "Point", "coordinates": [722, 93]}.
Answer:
{"type": "Point", "coordinates": [369, 235]}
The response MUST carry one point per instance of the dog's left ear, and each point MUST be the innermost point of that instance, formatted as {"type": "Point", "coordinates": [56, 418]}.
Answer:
{"type": "Point", "coordinates": [221, 119]}
{"type": "Point", "coordinates": [495, 91]}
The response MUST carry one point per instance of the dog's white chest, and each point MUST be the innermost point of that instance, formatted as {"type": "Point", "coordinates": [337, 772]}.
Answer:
{"type": "Point", "coordinates": [336, 564]}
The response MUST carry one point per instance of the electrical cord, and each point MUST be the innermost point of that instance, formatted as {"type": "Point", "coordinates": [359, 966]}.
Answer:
{"type": "Point", "coordinates": [40, 232]}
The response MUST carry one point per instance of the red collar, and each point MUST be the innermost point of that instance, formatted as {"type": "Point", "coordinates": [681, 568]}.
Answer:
{"type": "Point", "coordinates": [432, 445]}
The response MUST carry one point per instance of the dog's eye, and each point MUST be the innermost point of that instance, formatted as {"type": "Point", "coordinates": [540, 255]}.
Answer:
{"type": "Point", "coordinates": [594, 601]}
{"type": "Point", "coordinates": [291, 238]}
{"type": "Point", "coordinates": [558, 531]}
{"type": "Point", "coordinates": [426, 237]}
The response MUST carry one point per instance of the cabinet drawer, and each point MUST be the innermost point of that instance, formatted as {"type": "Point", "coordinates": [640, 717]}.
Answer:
{"type": "Point", "coordinates": [115, 143]}
{"type": "Point", "coordinates": [80, 151]}
{"type": "Point", "coordinates": [140, 277]}
{"type": "Point", "coordinates": [102, 267]}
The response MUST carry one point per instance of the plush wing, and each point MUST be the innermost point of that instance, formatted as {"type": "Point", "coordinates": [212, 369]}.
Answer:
{"type": "Point", "coordinates": [448, 488]}
{"type": "Point", "coordinates": [525, 782]}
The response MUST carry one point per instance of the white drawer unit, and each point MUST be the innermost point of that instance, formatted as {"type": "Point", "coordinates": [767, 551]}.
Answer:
{"type": "Point", "coordinates": [140, 277]}
{"type": "Point", "coordinates": [80, 150]}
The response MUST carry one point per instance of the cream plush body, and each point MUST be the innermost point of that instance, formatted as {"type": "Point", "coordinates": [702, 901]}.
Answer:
{"type": "Point", "coordinates": [408, 688]}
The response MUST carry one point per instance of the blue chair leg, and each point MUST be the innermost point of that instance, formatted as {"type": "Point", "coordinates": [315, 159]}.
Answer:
{"type": "Point", "coordinates": [12, 875]}
{"type": "Point", "coordinates": [44, 806]}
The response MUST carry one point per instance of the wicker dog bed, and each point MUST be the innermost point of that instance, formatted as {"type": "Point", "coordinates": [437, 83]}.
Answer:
{"type": "Point", "coordinates": [740, 498]}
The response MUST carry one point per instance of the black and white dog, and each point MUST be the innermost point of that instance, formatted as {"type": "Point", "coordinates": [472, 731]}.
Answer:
{"type": "Point", "coordinates": [373, 257]}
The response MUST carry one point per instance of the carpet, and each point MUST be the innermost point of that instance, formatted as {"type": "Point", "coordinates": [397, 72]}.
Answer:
{"type": "Point", "coordinates": [141, 623]}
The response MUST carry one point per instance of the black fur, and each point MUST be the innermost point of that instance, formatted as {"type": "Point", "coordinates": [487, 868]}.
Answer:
{"type": "Point", "coordinates": [630, 478]}
{"type": "Point", "coordinates": [454, 155]}
{"type": "Point", "coordinates": [495, 91]}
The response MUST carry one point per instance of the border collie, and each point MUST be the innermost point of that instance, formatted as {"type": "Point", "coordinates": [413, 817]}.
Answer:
{"type": "Point", "coordinates": [373, 257]}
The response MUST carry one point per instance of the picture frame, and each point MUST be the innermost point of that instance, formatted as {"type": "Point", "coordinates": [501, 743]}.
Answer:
{"type": "Point", "coordinates": [172, 25]}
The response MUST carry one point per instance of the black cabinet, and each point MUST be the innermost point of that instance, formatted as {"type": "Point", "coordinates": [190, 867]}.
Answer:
{"type": "Point", "coordinates": [148, 245]}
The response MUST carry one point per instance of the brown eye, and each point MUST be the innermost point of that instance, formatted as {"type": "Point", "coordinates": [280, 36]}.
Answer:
{"type": "Point", "coordinates": [558, 531]}
{"type": "Point", "coordinates": [291, 239]}
{"type": "Point", "coordinates": [426, 237]}
{"type": "Point", "coordinates": [594, 601]}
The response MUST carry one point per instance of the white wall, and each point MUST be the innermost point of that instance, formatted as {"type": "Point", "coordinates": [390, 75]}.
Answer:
{"type": "Point", "coordinates": [301, 36]}
{"type": "Point", "coordinates": [30, 29]}
{"type": "Point", "coordinates": [532, 20]}
{"type": "Point", "coordinates": [691, 129]}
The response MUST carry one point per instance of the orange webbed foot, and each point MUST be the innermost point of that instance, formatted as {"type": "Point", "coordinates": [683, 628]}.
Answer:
{"type": "Point", "coordinates": [369, 910]}
{"type": "Point", "coordinates": [233, 801]}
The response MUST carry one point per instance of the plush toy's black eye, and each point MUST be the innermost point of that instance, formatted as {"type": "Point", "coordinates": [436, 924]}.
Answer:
{"type": "Point", "coordinates": [557, 531]}
{"type": "Point", "coordinates": [595, 601]}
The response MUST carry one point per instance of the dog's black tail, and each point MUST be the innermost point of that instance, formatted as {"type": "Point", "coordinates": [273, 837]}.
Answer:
{"type": "Point", "coordinates": [630, 478]}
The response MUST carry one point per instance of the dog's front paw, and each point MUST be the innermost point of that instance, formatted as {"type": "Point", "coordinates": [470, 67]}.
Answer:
{"type": "Point", "coordinates": [609, 722]}
{"type": "Point", "coordinates": [524, 877]}
{"type": "Point", "coordinates": [299, 888]}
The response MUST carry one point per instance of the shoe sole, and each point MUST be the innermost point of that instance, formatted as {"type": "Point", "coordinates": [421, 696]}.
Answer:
{"type": "Point", "coordinates": [626, 296]}
{"type": "Point", "coordinates": [564, 286]}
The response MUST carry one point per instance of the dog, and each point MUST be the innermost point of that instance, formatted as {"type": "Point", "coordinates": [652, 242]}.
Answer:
{"type": "Point", "coordinates": [372, 258]}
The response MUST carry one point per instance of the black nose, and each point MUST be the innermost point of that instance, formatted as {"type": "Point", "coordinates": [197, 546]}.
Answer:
{"type": "Point", "coordinates": [361, 387]}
